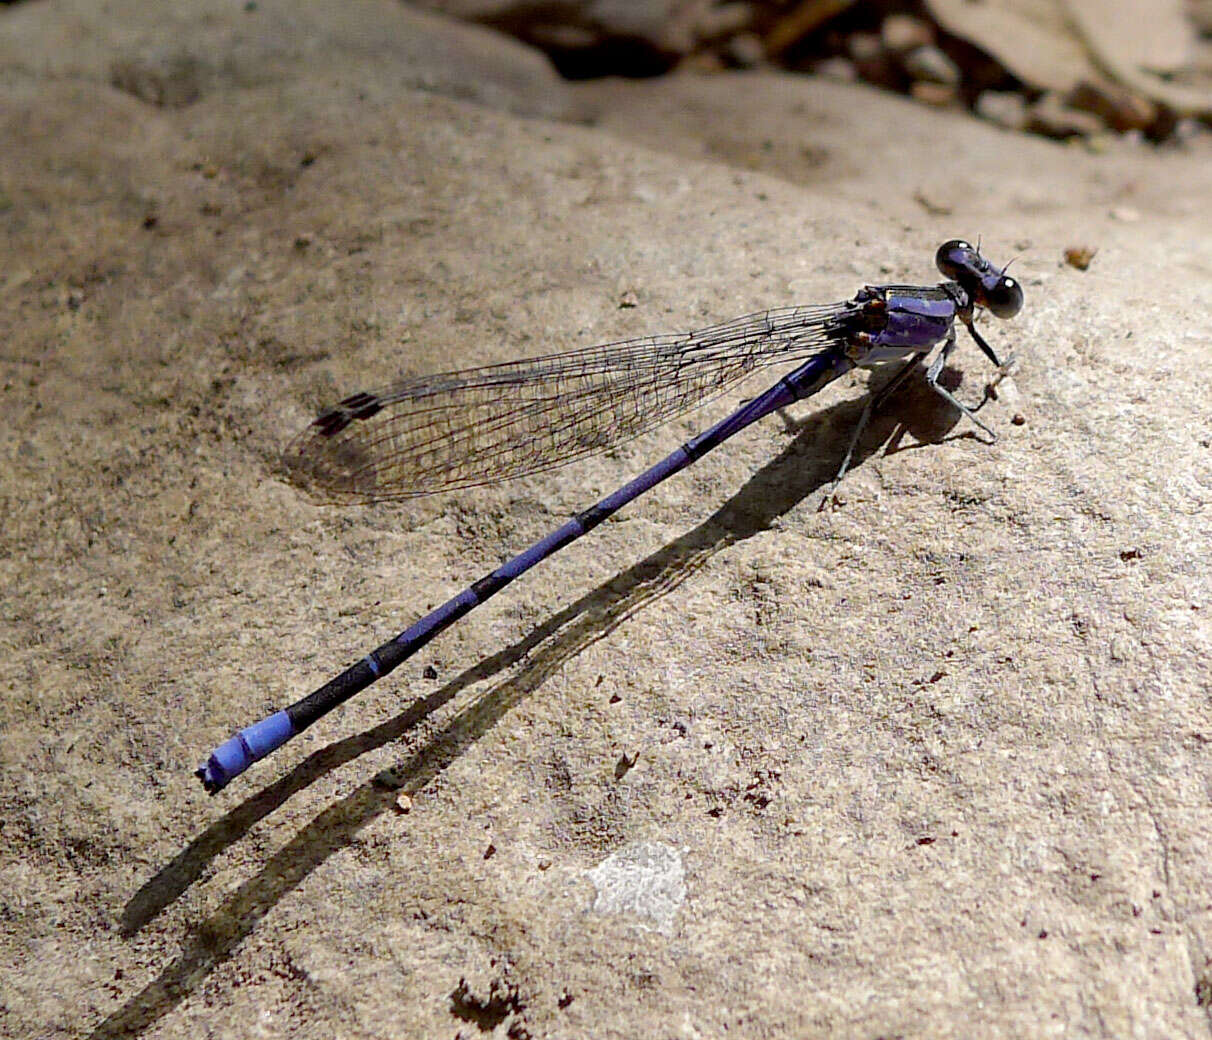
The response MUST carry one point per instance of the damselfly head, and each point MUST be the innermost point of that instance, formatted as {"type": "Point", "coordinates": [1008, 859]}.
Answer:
{"type": "Point", "coordinates": [988, 286]}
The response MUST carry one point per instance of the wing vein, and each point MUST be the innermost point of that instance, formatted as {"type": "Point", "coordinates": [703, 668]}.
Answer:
{"type": "Point", "coordinates": [482, 425]}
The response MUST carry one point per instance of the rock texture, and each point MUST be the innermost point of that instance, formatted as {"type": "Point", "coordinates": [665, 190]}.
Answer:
{"type": "Point", "coordinates": [931, 763]}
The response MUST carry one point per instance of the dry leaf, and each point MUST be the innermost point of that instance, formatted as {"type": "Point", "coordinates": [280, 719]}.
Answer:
{"type": "Point", "coordinates": [1058, 44]}
{"type": "Point", "coordinates": [1135, 42]}
{"type": "Point", "coordinates": [1030, 37]}
{"type": "Point", "coordinates": [1151, 35]}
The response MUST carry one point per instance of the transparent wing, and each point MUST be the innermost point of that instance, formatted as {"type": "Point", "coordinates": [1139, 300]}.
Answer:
{"type": "Point", "coordinates": [482, 425]}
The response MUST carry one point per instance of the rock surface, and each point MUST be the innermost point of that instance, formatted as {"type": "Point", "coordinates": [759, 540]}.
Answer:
{"type": "Point", "coordinates": [934, 762]}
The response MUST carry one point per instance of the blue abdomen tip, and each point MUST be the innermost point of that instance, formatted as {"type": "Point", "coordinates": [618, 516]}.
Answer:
{"type": "Point", "coordinates": [232, 757]}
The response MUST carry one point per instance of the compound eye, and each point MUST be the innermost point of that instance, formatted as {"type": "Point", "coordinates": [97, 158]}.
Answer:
{"type": "Point", "coordinates": [1005, 299]}
{"type": "Point", "coordinates": [955, 258]}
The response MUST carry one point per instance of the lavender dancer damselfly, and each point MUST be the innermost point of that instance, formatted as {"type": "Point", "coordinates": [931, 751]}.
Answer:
{"type": "Point", "coordinates": [482, 425]}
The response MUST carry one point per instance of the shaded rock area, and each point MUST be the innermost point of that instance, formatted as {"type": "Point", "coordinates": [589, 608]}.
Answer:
{"type": "Point", "coordinates": [1078, 69]}
{"type": "Point", "coordinates": [933, 761]}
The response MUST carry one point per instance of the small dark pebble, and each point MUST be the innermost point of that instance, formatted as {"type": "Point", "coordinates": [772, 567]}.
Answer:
{"type": "Point", "coordinates": [1080, 256]}
{"type": "Point", "coordinates": [1120, 109]}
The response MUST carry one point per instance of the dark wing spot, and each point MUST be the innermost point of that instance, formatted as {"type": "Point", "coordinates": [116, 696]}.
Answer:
{"type": "Point", "coordinates": [332, 422]}
{"type": "Point", "coordinates": [357, 406]}
{"type": "Point", "coordinates": [362, 406]}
